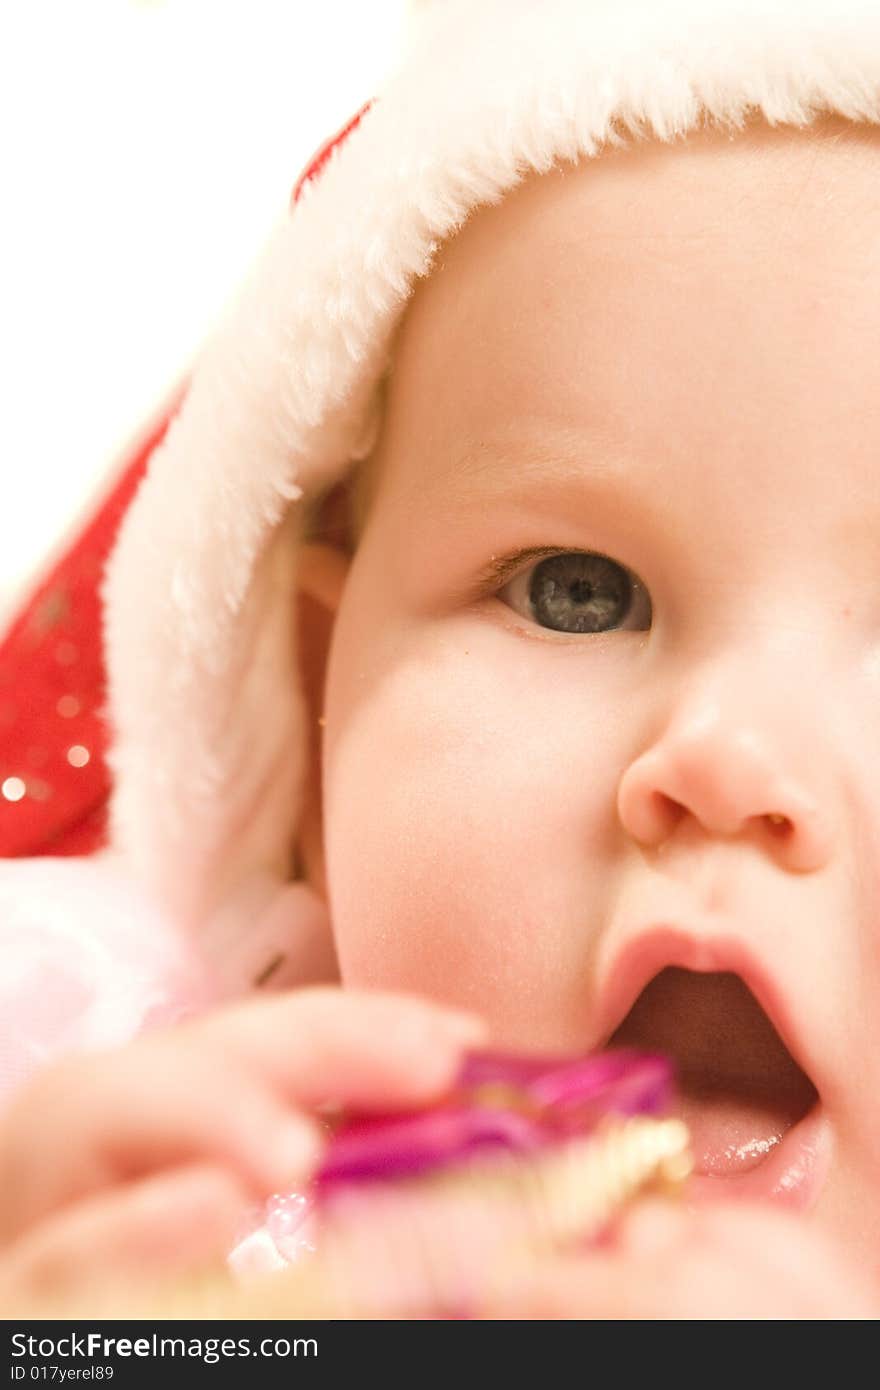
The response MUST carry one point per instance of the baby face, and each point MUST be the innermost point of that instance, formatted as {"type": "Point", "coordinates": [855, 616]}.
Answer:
{"type": "Point", "coordinates": [602, 744]}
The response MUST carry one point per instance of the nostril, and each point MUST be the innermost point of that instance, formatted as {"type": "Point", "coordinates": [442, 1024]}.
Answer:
{"type": "Point", "coordinates": [668, 809]}
{"type": "Point", "coordinates": [780, 825]}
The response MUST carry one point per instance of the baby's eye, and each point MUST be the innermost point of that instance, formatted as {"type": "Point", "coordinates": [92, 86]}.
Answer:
{"type": "Point", "coordinates": [579, 591]}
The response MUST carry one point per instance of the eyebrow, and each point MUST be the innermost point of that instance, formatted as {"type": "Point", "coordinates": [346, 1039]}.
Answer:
{"type": "Point", "coordinates": [514, 467]}
{"type": "Point", "coordinates": [510, 469]}
{"type": "Point", "coordinates": [540, 452]}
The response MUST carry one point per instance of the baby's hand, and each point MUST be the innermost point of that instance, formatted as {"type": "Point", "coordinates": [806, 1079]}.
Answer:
{"type": "Point", "coordinates": [718, 1263]}
{"type": "Point", "coordinates": [136, 1161]}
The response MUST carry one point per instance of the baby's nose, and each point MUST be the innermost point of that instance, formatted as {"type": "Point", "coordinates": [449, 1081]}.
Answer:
{"type": "Point", "coordinates": [733, 778]}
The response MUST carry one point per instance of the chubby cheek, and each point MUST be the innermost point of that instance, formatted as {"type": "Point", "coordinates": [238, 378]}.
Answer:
{"type": "Point", "coordinates": [470, 832]}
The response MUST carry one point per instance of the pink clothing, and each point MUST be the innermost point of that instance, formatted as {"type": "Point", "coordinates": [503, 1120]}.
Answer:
{"type": "Point", "coordinates": [87, 963]}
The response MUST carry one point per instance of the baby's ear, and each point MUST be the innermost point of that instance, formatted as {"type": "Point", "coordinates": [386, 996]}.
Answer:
{"type": "Point", "coordinates": [322, 570]}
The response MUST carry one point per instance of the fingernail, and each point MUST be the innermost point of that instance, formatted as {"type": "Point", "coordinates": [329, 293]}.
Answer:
{"type": "Point", "coordinates": [465, 1027]}
{"type": "Point", "coordinates": [294, 1156]}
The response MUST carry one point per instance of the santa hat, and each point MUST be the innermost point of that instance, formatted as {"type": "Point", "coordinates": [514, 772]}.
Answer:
{"type": "Point", "coordinates": [205, 706]}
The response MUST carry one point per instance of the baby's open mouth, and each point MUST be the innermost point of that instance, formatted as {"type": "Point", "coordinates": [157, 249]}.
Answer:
{"type": "Point", "coordinates": [741, 1090]}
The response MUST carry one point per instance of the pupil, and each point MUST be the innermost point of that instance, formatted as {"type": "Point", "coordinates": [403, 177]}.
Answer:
{"type": "Point", "coordinates": [580, 593]}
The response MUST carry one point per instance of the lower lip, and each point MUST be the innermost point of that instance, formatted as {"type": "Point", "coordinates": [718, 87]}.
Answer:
{"type": "Point", "coordinates": [792, 1175]}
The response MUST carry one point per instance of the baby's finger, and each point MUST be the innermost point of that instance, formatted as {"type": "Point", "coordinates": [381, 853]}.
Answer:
{"type": "Point", "coordinates": [122, 1245]}
{"type": "Point", "coordinates": [669, 1264]}
{"type": "Point", "coordinates": [771, 1257]}
{"type": "Point", "coordinates": [141, 1110]}
{"type": "Point", "coordinates": [225, 1089]}
{"type": "Point", "coordinates": [366, 1050]}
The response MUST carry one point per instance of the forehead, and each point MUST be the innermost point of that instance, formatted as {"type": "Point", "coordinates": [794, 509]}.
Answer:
{"type": "Point", "coordinates": [601, 302]}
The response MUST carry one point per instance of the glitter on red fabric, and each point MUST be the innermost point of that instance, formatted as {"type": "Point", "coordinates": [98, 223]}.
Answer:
{"type": "Point", "coordinates": [53, 796]}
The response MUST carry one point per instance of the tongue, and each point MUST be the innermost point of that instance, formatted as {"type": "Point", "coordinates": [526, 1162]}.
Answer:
{"type": "Point", "coordinates": [730, 1134]}
{"type": "Point", "coordinates": [740, 1088]}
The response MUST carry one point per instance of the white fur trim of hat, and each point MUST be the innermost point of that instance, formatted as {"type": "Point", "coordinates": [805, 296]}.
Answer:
{"type": "Point", "coordinates": [204, 699]}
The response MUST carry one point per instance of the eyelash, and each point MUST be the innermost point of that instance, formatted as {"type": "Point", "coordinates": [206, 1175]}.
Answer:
{"type": "Point", "coordinates": [505, 570]}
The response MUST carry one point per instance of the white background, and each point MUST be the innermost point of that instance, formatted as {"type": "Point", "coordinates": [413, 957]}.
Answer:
{"type": "Point", "coordinates": [147, 148]}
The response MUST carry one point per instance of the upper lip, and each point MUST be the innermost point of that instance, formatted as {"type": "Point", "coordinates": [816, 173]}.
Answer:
{"type": "Point", "coordinates": [647, 950]}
